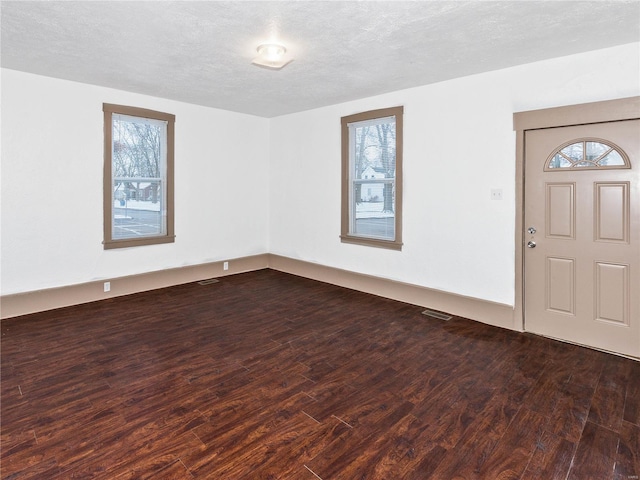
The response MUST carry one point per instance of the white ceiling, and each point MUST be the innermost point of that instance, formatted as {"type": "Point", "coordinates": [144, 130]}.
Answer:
{"type": "Point", "coordinates": [200, 51]}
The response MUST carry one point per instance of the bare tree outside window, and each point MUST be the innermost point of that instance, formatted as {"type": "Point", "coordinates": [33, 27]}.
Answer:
{"type": "Point", "coordinates": [137, 163]}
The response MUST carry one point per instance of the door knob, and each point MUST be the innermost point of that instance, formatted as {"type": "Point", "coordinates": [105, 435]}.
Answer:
{"type": "Point", "coordinates": [531, 244]}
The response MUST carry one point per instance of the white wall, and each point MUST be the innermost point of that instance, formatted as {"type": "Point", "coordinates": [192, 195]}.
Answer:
{"type": "Point", "coordinates": [233, 198]}
{"type": "Point", "coordinates": [52, 160]}
{"type": "Point", "coordinates": [458, 145]}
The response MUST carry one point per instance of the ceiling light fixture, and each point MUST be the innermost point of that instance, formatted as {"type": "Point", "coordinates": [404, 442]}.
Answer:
{"type": "Point", "coordinates": [271, 55]}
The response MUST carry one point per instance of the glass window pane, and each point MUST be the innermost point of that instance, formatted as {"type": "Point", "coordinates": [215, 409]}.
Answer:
{"type": "Point", "coordinates": [138, 147]}
{"type": "Point", "coordinates": [375, 150]}
{"type": "Point", "coordinates": [139, 170]}
{"type": "Point", "coordinates": [574, 151]}
{"type": "Point", "coordinates": [372, 218]}
{"type": "Point", "coordinates": [596, 155]}
{"type": "Point", "coordinates": [558, 161]}
{"type": "Point", "coordinates": [137, 209]}
{"type": "Point", "coordinates": [595, 149]}
{"type": "Point", "coordinates": [374, 158]}
{"type": "Point", "coordinates": [613, 159]}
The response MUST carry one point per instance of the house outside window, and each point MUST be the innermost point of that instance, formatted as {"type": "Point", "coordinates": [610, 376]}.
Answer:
{"type": "Point", "coordinates": [138, 176]}
{"type": "Point", "coordinates": [372, 178]}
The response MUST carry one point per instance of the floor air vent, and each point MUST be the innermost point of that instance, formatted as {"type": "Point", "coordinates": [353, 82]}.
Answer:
{"type": "Point", "coordinates": [438, 315]}
{"type": "Point", "coordinates": [208, 281]}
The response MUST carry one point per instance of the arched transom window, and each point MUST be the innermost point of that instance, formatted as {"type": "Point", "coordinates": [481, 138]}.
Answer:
{"type": "Point", "coordinates": [587, 153]}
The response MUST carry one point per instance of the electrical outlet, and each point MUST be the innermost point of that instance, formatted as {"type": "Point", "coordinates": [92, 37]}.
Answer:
{"type": "Point", "coordinates": [496, 194]}
{"type": "Point", "coordinates": [107, 286]}
{"type": "Point", "coordinates": [225, 266]}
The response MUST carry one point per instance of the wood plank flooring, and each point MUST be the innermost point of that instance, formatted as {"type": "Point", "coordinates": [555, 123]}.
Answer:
{"type": "Point", "coordinates": [266, 375]}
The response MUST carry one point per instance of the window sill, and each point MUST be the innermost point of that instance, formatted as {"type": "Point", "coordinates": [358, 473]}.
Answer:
{"type": "Point", "coordinates": [372, 242]}
{"type": "Point", "coordinates": [137, 242]}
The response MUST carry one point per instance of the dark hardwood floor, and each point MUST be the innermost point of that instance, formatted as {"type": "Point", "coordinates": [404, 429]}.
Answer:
{"type": "Point", "coordinates": [270, 376]}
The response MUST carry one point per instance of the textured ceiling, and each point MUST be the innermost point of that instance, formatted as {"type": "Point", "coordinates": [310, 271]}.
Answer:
{"type": "Point", "coordinates": [200, 51]}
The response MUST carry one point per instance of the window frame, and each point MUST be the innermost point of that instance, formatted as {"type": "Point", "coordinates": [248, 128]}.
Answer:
{"type": "Point", "coordinates": [346, 236]}
{"type": "Point", "coordinates": [109, 242]}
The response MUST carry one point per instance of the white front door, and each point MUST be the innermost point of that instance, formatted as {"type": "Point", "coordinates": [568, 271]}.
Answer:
{"type": "Point", "coordinates": [582, 234]}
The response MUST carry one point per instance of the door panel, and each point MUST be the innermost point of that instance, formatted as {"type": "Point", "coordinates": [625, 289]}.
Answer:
{"type": "Point", "coordinates": [560, 212]}
{"type": "Point", "coordinates": [612, 289]}
{"type": "Point", "coordinates": [612, 212]}
{"type": "Point", "coordinates": [561, 291]}
{"type": "Point", "coordinates": [582, 266]}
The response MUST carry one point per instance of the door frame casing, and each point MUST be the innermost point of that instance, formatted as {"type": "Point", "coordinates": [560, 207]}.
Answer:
{"type": "Point", "coordinates": [570, 115]}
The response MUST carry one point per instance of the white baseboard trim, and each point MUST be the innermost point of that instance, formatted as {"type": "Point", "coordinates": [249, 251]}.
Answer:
{"type": "Point", "coordinates": [491, 313]}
